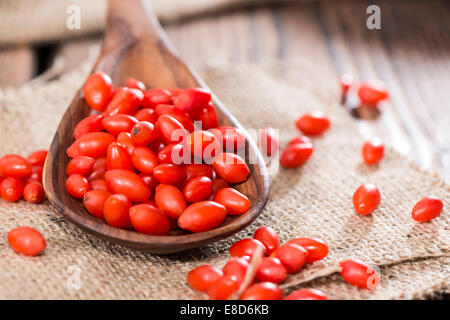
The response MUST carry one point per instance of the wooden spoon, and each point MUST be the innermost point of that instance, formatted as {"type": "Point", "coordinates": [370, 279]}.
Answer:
{"type": "Point", "coordinates": [136, 46]}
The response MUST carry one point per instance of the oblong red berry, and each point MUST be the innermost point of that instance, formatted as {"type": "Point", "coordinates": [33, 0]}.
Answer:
{"type": "Point", "coordinates": [231, 167]}
{"type": "Point", "coordinates": [366, 199]}
{"type": "Point", "coordinates": [15, 166]}
{"type": "Point", "coordinates": [317, 250]}
{"type": "Point", "coordinates": [313, 123]}
{"type": "Point", "coordinates": [359, 274]}
{"type": "Point", "coordinates": [271, 270]}
{"type": "Point", "coordinates": [246, 247]}
{"type": "Point", "coordinates": [27, 241]}
{"type": "Point", "coordinates": [263, 291]}
{"type": "Point", "coordinates": [203, 277]}
{"type": "Point", "coordinates": [268, 237]}
{"type": "Point", "coordinates": [235, 202]}
{"type": "Point", "coordinates": [373, 151]}
{"type": "Point", "coordinates": [202, 216]}
{"type": "Point", "coordinates": [427, 209]}
{"type": "Point", "coordinates": [292, 256]}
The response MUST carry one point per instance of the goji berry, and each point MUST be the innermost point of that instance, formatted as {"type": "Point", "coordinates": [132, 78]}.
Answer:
{"type": "Point", "coordinates": [170, 200]}
{"type": "Point", "coordinates": [204, 277]}
{"type": "Point", "coordinates": [317, 250]}
{"type": "Point", "coordinates": [292, 256]}
{"type": "Point", "coordinates": [27, 241]}
{"type": "Point", "coordinates": [427, 209]}
{"type": "Point", "coordinates": [359, 274]}
{"type": "Point", "coordinates": [263, 291]}
{"type": "Point", "coordinates": [235, 202]}
{"type": "Point", "coordinates": [94, 201]}
{"type": "Point", "coordinates": [246, 247]}
{"type": "Point", "coordinates": [271, 270]}
{"type": "Point", "coordinates": [202, 216]}
{"type": "Point", "coordinates": [147, 219]}
{"type": "Point", "coordinates": [15, 166]}
{"type": "Point", "coordinates": [313, 123]}
{"type": "Point", "coordinates": [77, 185]}
{"type": "Point", "coordinates": [34, 192]}
{"type": "Point", "coordinates": [366, 199]}
{"type": "Point", "coordinates": [127, 183]}
{"type": "Point", "coordinates": [373, 151]}
{"type": "Point", "coordinates": [231, 167]}
{"type": "Point", "coordinates": [11, 189]}
{"type": "Point", "coordinates": [116, 211]}
{"type": "Point", "coordinates": [98, 90]}
{"type": "Point", "coordinates": [268, 237]}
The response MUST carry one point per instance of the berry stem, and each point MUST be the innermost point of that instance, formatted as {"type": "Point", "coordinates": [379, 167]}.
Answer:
{"type": "Point", "coordinates": [306, 277]}
{"type": "Point", "coordinates": [250, 274]}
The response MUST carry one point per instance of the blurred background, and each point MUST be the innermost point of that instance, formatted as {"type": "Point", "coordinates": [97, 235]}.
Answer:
{"type": "Point", "coordinates": [410, 52]}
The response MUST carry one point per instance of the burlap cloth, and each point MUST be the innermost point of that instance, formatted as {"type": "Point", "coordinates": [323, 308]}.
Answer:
{"type": "Point", "coordinates": [23, 21]}
{"type": "Point", "coordinates": [313, 201]}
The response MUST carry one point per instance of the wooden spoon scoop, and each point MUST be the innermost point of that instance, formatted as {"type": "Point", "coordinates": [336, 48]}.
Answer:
{"type": "Point", "coordinates": [136, 47]}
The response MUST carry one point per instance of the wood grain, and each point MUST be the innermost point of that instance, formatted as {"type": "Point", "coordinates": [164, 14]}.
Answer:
{"type": "Point", "coordinates": [135, 46]}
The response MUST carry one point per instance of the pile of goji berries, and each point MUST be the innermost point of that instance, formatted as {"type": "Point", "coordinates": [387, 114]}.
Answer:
{"type": "Point", "coordinates": [278, 261]}
{"type": "Point", "coordinates": [22, 177]}
{"type": "Point", "coordinates": [142, 161]}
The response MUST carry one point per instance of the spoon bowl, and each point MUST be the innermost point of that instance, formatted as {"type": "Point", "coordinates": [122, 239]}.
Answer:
{"type": "Point", "coordinates": [135, 46]}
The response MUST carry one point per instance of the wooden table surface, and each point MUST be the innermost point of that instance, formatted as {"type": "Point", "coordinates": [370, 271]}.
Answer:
{"type": "Point", "coordinates": [411, 54]}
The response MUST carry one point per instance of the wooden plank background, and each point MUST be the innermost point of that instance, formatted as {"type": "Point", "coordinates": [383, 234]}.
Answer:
{"type": "Point", "coordinates": [411, 53]}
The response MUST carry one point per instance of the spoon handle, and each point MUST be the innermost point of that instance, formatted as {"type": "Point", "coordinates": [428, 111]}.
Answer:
{"type": "Point", "coordinates": [133, 24]}
{"type": "Point", "coordinates": [130, 21]}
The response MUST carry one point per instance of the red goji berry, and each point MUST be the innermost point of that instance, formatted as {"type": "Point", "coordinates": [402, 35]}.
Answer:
{"type": "Point", "coordinates": [170, 200]}
{"type": "Point", "coordinates": [15, 166]}
{"type": "Point", "coordinates": [34, 192]}
{"type": "Point", "coordinates": [359, 274]}
{"type": "Point", "coordinates": [372, 93]}
{"type": "Point", "coordinates": [116, 211]}
{"type": "Point", "coordinates": [246, 247]}
{"type": "Point", "coordinates": [317, 250]}
{"type": "Point", "coordinates": [77, 185]}
{"type": "Point", "coordinates": [27, 241]}
{"type": "Point", "coordinates": [271, 270]}
{"type": "Point", "coordinates": [427, 209]}
{"type": "Point", "coordinates": [313, 123]}
{"type": "Point", "coordinates": [202, 216]}
{"type": "Point", "coordinates": [235, 202]}
{"type": "Point", "coordinates": [204, 277]}
{"type": "Point", "coordinates": [292, 256]}
{"type": "Point", "coordinates": [268, 237]}
{"type": "Point", "coordinates": [147, 219]}
{"type": "Point", "coordinates": [127, 183]}
{"type": "Point", "coordinates": [223, 288]}
{"type": "Point", "coordinates": [231, 167]}
{"type": "Point", "coordinates": [263, 291]}
{"type": "Point", "coordinates": [236, 266]}
{"type": "Point", "coordinates": [11, 189]}
{"type": "Point", "coordinates": [373, 151]}
{"type": "Point", "coordinates": [366, 199]}
{"type": "Point", "coordinates": [98, 90]}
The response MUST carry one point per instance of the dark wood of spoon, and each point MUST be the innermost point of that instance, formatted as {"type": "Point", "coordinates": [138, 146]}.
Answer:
{"type": "Point", "coordinates": [135, 46]}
